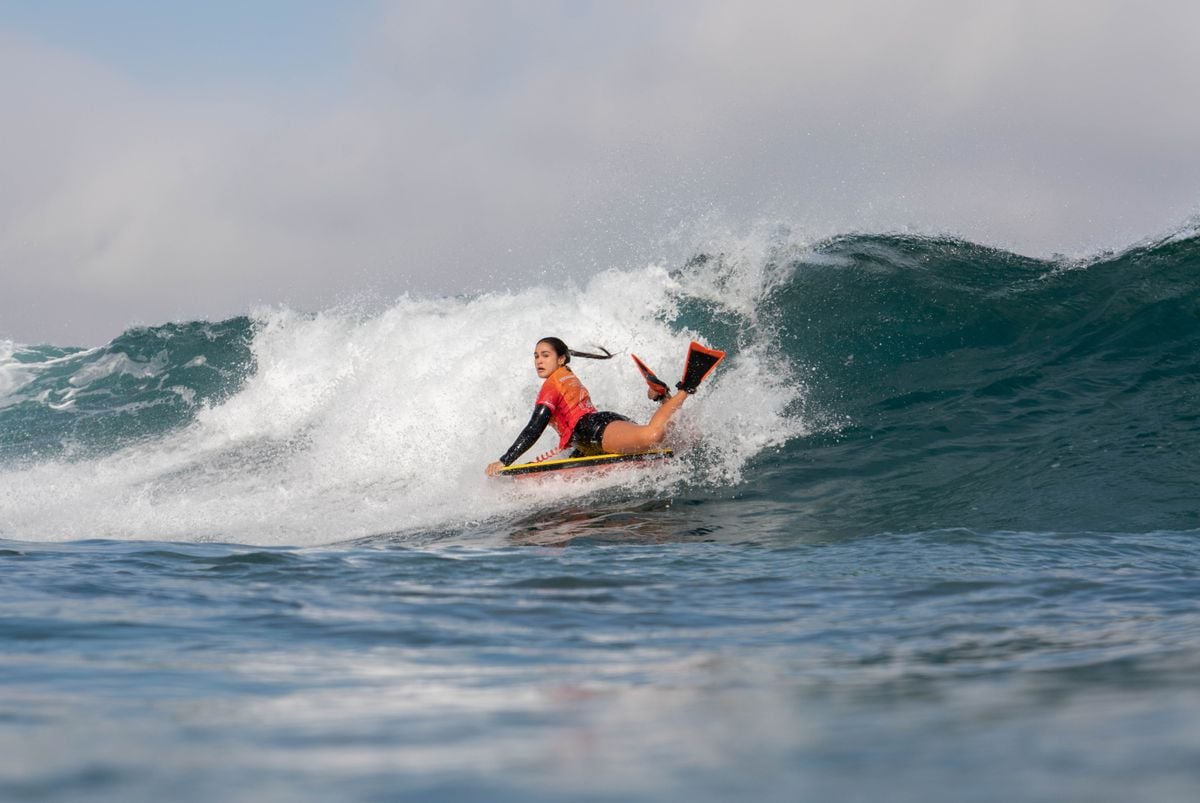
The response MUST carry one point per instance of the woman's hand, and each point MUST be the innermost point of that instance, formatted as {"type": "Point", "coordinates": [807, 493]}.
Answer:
{"type": "Point", "coordinates": [493, 469]}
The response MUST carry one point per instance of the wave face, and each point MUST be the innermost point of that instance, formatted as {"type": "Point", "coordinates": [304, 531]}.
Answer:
{"type": "Point", "coordinates": [874, 384]}
{"type": "Point", "coordinates": [986, 390]}
{"type": "Point", "coordinates": [57, 402]}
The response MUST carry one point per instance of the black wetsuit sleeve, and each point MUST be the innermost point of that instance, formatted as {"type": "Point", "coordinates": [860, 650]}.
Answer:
{"type": "Point", "coordinates": [533, 430]}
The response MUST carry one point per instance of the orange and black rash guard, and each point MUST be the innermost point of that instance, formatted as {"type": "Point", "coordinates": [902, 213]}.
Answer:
{"type": "Point", "coordinates": [562, 401]}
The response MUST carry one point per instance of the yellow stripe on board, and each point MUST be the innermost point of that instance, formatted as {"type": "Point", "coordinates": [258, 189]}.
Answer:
{"type": "Point", "coordinates": [580, 462]}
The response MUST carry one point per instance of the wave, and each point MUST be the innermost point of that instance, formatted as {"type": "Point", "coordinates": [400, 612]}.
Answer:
{"type": "Point", "coordinates": [984, 388]}
{"type": "Point", "coordinates": [875, 384]}
{"type": "Point", "coordinates": [69, 402]}
{"type": "Point", "coordinates": [310, 428]}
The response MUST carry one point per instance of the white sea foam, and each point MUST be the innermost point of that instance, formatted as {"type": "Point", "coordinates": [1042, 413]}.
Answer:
{"type": "Point", "coordinates": [355, 425]}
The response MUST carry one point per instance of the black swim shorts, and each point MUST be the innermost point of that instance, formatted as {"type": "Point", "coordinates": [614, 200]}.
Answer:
{"type": "Point", "coordinates": [589, 432]}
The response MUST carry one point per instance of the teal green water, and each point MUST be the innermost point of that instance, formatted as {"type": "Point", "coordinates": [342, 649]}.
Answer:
{"type": "Point", "coordinates": [932, 536]}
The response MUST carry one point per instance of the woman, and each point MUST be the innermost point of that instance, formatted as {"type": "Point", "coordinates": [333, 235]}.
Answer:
{"type": "Point", "coordinates": [564, 403]}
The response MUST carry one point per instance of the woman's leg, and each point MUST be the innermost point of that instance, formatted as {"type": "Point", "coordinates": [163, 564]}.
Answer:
{"type": "Point", "coordinates": [623, 437]}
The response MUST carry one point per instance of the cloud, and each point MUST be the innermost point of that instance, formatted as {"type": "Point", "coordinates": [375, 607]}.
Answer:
{"type": "Point", "coordinates": [1023, 124]}
{"type": "Point", "coordinates": [476, 144]}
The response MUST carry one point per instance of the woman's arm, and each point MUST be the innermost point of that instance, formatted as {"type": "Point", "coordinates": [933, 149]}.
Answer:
{"type": "Point", "coordinates": [533, 430]}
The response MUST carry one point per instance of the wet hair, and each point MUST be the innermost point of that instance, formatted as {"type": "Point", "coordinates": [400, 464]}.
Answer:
{"type": "Point", "coordinates": [560, 348]}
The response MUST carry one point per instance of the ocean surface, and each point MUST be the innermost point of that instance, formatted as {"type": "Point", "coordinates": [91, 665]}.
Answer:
{"type": "Point", "coordinates": [932, 534]}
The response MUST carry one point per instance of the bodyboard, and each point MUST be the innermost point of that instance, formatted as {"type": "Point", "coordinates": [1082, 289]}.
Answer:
{"type": "Point", "coordinates": [591, 461]}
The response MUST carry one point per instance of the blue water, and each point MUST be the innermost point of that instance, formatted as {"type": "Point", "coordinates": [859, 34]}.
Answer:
{"type": "Point", "coordinates": [932, 535]}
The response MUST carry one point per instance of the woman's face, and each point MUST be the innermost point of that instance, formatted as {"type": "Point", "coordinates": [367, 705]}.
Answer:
{"type": "Point", "coordinates": [546, 359]}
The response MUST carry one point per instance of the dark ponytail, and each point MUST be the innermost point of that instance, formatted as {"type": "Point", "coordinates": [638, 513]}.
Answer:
{"type": "Point", "coordinates": [560, 348]}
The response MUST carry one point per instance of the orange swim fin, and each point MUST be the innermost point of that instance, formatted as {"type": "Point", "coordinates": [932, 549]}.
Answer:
{"type": "Point", "coordinates": [660, 388]}
{"type": "Point", "coordinates": [700, 363]}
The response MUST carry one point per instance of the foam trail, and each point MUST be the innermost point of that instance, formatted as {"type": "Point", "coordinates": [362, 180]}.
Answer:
{"type": "Point", "coordinates": [357, 425]}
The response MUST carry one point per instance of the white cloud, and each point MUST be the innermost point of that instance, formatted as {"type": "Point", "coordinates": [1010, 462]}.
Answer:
{"type": "Point", "coordinates": [484, 141]}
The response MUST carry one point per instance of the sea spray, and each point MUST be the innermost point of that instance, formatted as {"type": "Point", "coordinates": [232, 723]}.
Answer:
{"type": "Point", "coordinates": [350, 425]}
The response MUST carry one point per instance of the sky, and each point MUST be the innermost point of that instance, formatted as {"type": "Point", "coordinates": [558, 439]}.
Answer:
{"type": "Point", "coordinates": [167, 162]}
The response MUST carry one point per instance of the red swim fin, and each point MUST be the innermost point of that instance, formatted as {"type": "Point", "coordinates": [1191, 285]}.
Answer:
{"type": "Point", "coordinates": [659, 387]}
{"type": "Point", "coordinates": [700, 363]}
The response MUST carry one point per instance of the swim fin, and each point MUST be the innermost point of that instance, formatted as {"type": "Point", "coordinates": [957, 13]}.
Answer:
{"type": "Point", "coordinates": [660, 388]}
{"type": "Point", "coordinates": [700, 362]}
